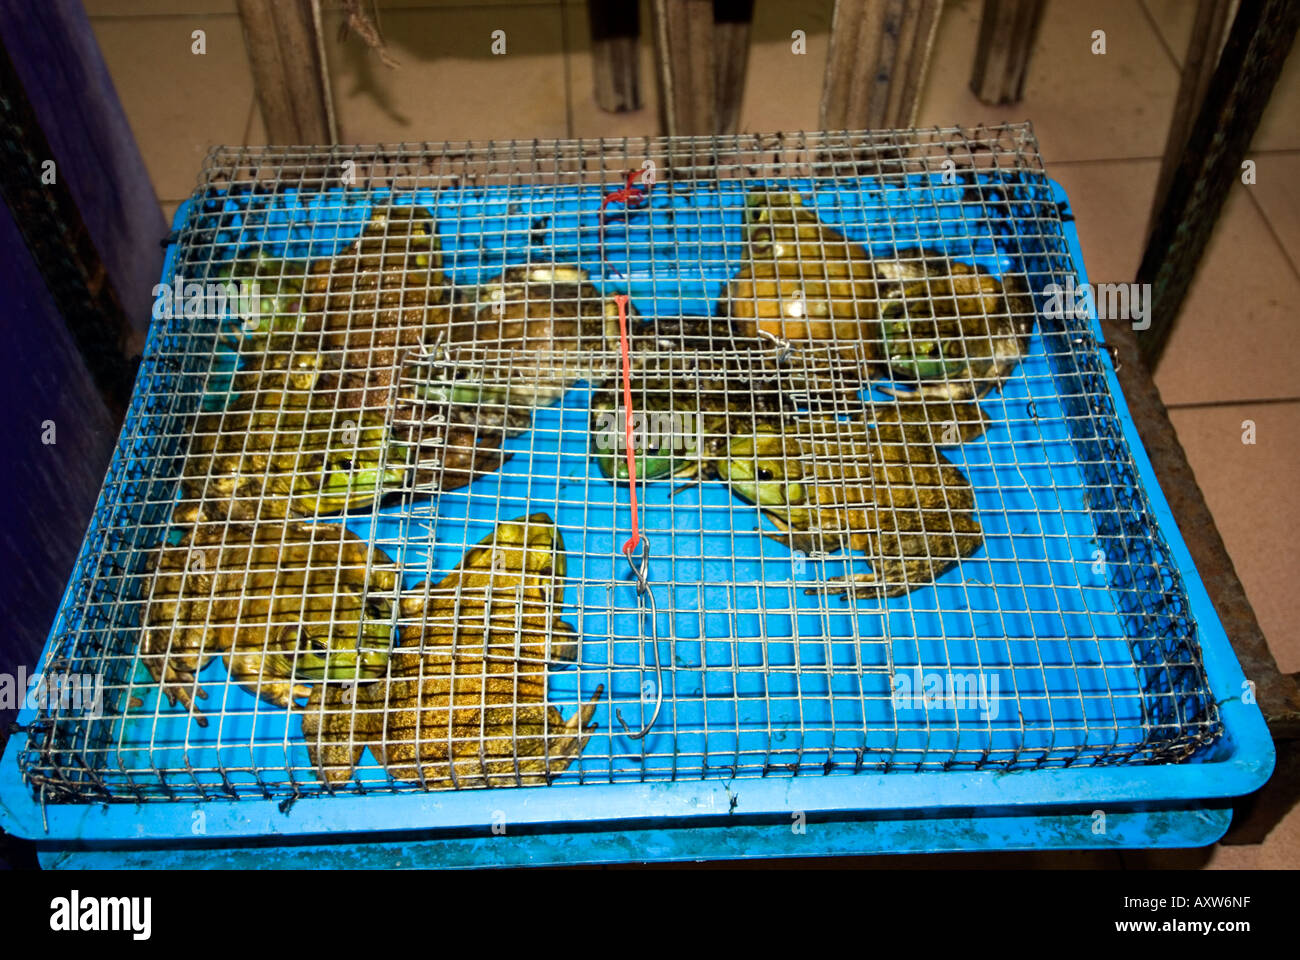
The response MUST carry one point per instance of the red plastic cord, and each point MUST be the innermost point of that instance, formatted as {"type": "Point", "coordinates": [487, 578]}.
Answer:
{"type": "Point", "coordinates": [621, 300]}
{"type": "Point", "coordinates": [630, 195]}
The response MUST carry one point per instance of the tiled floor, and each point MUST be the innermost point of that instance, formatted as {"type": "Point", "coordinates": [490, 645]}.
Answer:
{"type": "Point", "coordinates": [1102, 121]}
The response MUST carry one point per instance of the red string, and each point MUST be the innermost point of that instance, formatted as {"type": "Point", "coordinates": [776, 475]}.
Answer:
{"type": "Point", "coordinates": [621, 300]}
{"type": "Point", "coordinates": [630, 195]}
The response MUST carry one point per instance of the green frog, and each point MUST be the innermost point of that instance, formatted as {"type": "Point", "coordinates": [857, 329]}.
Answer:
{"type": "Point", "coordinates": [464, 702]}
{"type": "Point", "coordinates": [690, 407]}
{"type": "Point", "coordinates": [957, 330]}
{"type": "Point", "coordinates": [285, 603]}
{"type": "Point", "coordinates": [832, 485]}
{"type": "Point", "coordinates": [280, 285]}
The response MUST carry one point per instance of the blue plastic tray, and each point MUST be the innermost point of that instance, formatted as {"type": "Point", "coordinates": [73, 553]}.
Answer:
{"type": "Point", "coordinates": [827, 681]}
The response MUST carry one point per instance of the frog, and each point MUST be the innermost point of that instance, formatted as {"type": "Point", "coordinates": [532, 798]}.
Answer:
{"type": "Point", "coordinates": [953, 327]}
{"type": "Point", "coordinates": [531, 333]}
{"type": "Point", "coordinates": [956, 330]}
{"type": "Point", "coordinates": [286, 603]}
{"type": "Point", "coordinates": [446, 445]}
{"type": "Point", "coordinates": [364, 310]}
{"type": "Point", "coordinates": [464, 700]}
{"type": "Point", "coordinates": [831, 485]}
{"type": "Point", "coordinates": [280, 284]}
{"type": "Point", "coordinates": [802, 282]}
{"type": "Point", "coordinates": [277, 451]}
{"type": "Point", "coordinates": [690, 406]}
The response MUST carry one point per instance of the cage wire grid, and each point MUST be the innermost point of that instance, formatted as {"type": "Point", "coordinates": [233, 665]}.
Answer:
{"type": "Point", "coordinates": [1065, 638]}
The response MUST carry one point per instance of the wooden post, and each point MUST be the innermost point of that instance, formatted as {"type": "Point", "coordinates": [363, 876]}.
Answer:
{"type": "Point", "coordinates": [684, 55]}
{"type": "Point", "coordinates": [731, 22]}
{"type": "Point", "coordinates": [1252, 59]}
{"type": "Point", "coordinates": [1008, 29]}
{"type": "Point", "coordinates": [287, 70]}
{"type": "Point", "coordinates": [877, 62]}
{"type": "Point", "coordinates": [616, 54]}
{"type": "Point", "coordinates": [1208, 34]}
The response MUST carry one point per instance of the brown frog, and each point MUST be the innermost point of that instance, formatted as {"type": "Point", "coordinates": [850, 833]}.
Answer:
{"type": "Point", "coordinates": [275, 451]}
{"type": "Point", "coordinates": [284, 602]}
{"type": "Point", "coordinates": [953, 327]}
{"type": "Point", "coordinates": [539, 329]}
{"type": "Point", "coordinates": [830, 485]}
{"type": "Point", "coordinates": [464, 701]}
{"type": "Point", "coordinates": [802, 282]}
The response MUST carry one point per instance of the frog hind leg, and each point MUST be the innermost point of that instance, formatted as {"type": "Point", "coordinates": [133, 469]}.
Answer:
{"type": "Point", "coordinates": [908, 561]}
{"type": "Point", "coordinates": [184, 688]}
{"type": "Point", "coordinates": [246, 670]}
{"type": "Point", "coordinates": [177, 684]}
{"type": "Point", "coordinates": [572, 739]}
{"type": "Point", "coordinates": [786, 536]}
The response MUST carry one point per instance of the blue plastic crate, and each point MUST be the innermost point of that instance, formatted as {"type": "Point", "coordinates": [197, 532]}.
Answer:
{"type": "Point", "coordinates": [1107, 685]}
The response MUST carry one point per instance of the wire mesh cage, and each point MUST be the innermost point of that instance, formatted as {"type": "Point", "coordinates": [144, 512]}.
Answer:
{"type": "Point", "coordinates": [565, 462]}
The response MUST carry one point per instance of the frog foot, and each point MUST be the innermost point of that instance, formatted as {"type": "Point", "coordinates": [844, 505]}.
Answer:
{"type": "Point", "coordinates": [956, 391]}
{"type": "Point", "coordinates": [281, 695]}
{"type": "Point", "coordinates": [859, 585]}
{"type": "Point", "coordinates": [178, 688]}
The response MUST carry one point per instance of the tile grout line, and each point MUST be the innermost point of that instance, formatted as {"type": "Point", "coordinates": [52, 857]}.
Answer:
{"type": "Point", "coordinates": [1286, 254]}
{"type": "Point", "coordinates": [1155, 26]}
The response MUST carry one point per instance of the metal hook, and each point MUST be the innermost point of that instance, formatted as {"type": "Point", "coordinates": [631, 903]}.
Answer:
{"type": "Point", "coordinates": [645, 598]}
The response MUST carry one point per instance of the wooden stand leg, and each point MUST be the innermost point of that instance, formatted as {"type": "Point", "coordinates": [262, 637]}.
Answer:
{"type": "Point", "coordinates": [282, 49]}
{"type": "Point", "coordinates": [684, 54]}
{"type": "Point", "coordinates": [876, 67]}
{"type": "Point", "coordinates": [1008, 29]}
{"type": "Point", "coordinates": [1208, 35]}
{"type": "Point", "coordinates": [1235, 98]}
{"type": "Point", "coordinates": [615, 54]}
{"type": "Point", "coordinates": [731, 20]}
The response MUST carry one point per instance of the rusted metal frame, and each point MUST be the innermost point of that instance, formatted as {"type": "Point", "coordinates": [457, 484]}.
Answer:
{"type": "Point", "coordinates": [875, 69]}
{"type": "Point", "coordinates": [284, 52]}
{"type": "Point", "coordinates": [615, 54]}
{"type": "Point", "coordinates": [1275, 692]}
{"type": "Point", "coordinates": [1261, 36]}
{"type": "Point", "coordinates": [1008, 29]}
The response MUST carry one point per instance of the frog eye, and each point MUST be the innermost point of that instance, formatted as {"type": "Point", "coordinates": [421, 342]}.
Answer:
{"type": "Point", "coordinates": [345, 464]}
{"type": "Point", "coordinates": [764, 474]}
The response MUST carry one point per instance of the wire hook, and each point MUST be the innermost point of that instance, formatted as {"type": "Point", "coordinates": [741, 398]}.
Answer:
{"type": "Point", "coordinates": [646, 602]}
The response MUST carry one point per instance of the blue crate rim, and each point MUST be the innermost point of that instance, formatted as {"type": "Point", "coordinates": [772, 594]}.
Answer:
{"type": "Point", "coordinates": [1239, 762]}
